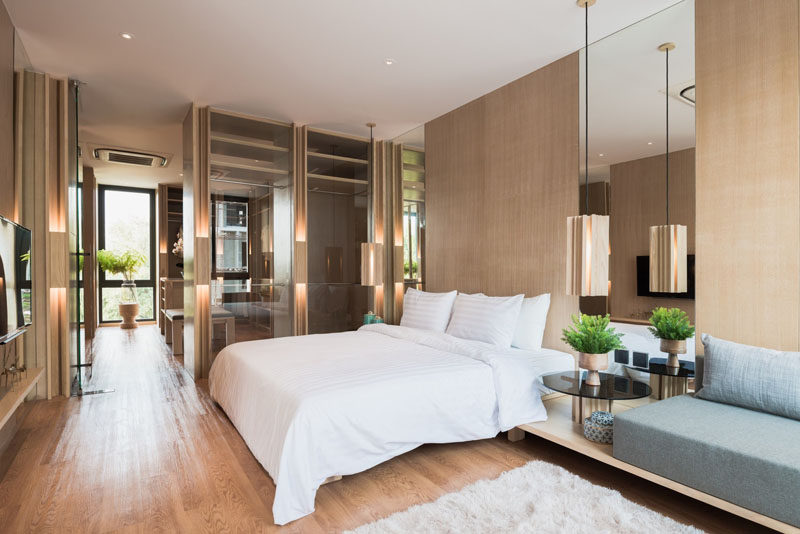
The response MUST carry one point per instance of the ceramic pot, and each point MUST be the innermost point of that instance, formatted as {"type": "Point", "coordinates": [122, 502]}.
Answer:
{"type": "Point", "coordinates": [128, 311]}
{"type": "Point", "coordinates": [673, 347]}
{"type": "Point", "coordinates": [592, 363]}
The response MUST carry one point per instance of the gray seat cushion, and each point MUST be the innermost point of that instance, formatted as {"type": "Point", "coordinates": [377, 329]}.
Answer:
{"type": "Point", "coordinates": [743, 456]}
{"type": "Point", "coordinates": [751, 377]}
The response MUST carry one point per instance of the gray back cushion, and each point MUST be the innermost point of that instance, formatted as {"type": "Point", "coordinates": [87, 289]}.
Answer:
{"type": "Point", "coordinates": [751, 377]}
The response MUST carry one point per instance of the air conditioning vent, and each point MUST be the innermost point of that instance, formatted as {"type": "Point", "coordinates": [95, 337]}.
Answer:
{"type": "Point", "coordinates": [113, 155]}
{"type": "Point", "coordinates": [688, 94]}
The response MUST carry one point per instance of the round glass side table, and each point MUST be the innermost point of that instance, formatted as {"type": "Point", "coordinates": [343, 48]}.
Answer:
{"type": "Point", "coordinates": [612, 387]}
{"type": "Point", "coordinates": [667, 381]}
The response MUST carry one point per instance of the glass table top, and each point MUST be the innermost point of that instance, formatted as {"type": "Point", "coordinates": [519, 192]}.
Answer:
{"type": "Point", "coordinates": [612, 387]}
{"type": "Point", "coordinates": [658, 366]}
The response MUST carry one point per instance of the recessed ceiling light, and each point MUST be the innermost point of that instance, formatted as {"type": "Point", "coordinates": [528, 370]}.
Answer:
{"type": "Point", "coordinates": [126, 35]}
{"type": "Point", "coordinates": [601, 155]}
{"type": "Point", "coordinates": [649, 142]}
{"type": "Point", "coordinates": [389, 61]}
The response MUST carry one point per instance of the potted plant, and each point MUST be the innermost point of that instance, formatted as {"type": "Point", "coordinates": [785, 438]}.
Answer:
{"type": "Point", "coordinates": [671, 326]}
{"type": "Point", "coordinates": [591, 336]}
{"type": "Point", "coordinates": [177, 249]}
{"type": "Point", "coordinates": [124, 263]}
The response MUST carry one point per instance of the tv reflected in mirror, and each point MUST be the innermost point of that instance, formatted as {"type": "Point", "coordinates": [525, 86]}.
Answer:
{"type": "Point", "coordinates": [15, 280]}
{"type": "Point", "coordinates": [643, 279]}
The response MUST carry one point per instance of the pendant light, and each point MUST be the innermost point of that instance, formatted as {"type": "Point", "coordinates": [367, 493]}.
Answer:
{"type": "Point", "coordinates": [371, 251]}
{"type": "Point", "coordinates": [668, 241]}
{"type": "Point", "coordinates": [587, 235]}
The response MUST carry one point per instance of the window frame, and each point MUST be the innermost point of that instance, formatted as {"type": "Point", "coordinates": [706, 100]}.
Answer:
{"type": "Point", "coordinates": [102, 282]}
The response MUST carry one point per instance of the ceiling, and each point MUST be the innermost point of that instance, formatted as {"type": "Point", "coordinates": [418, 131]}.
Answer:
{"type": "Point", "coordinates": [314, 62]}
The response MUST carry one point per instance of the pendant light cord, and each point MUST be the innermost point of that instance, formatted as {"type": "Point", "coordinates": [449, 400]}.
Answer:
{"type": "Point", "coordinates": [586, 111]}
{"type": "Point", "coordinates": [667, 122]}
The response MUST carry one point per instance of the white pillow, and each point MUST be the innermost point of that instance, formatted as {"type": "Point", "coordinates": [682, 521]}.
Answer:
{"type": "Point", "coordinates": [427, 311]}
{"type": "Point", "coordinates": [531, 323]}
{"type": "Point", "coordinates": [488, 319]}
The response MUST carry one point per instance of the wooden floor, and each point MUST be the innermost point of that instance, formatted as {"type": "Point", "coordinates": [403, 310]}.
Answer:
{"type": "Point", "coordinates": [158, 455]}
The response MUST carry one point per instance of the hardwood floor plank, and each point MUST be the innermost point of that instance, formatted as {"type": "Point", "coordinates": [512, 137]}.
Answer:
{"type": "Point", "coordinates": [158, 455]}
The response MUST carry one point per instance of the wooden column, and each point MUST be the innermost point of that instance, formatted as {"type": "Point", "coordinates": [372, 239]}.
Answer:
{"type": "Point", "coordinates": [89, 235]}
{"type": "Point", "coordinates": [43, 167]}
{"type": "Point", "coordinates": [378, 201]}
{"type": "Point", "coordinates": [394, 202]}
{"type": "Point", "coordinates": [300, 192]}
{"type": "Point", "coordinates": [197, 261]}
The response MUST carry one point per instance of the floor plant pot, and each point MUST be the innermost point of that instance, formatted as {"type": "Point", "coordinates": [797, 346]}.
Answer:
{"type": "Point", "coordinates": [128, 311]}
{"type": "Point", "coordinates": [592, 363]}
{"type": "Point", "coordinates": [673, 347]}
{"type": "Point", "coordinates": [128, 306]}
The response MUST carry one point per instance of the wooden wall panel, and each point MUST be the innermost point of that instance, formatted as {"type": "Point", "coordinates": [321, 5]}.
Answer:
{"type": "Point", "coordinates": [501, 180]}
{"type": "Point", "coordinates": [748, 171]}
{"type": "Point", "coordinates": [9, 200]}
{"type": "Point", "coordinates": [637, 194]}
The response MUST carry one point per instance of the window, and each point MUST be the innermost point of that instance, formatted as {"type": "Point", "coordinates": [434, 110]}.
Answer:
{"type": "Point", "coordinates": [230, 237]}
{"type": "Point", "coordinates": [126, 221]}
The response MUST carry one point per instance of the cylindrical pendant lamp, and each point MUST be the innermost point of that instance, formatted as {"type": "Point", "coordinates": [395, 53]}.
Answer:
{"type": "Point", "coordinates": [587, 235]}
{"type": "Point", "coordinates": [668, 255]}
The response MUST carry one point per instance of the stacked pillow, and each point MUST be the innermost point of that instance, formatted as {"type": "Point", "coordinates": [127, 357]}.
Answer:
{"type": "Point", "coordinates": [502, 321]}
{"type": "Point", "coordinates": [427, 311]}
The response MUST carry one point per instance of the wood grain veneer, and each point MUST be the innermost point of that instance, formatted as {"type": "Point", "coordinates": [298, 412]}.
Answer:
{"type": "Point", "coordinates": [501, 180]}
{"type": "Point", "coordinates": [748, 172]}
{"type": "Point", "coordinates": [9, 200]}
{"type": "Point", "coordinates": [637, 202]}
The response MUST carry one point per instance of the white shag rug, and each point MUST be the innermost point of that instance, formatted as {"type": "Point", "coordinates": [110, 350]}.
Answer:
{"type": "Point", "coordinates": [537, 497]}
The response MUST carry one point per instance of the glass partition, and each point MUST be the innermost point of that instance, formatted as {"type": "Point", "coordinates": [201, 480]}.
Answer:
{"type": "Point", "coordinates": [250, 229]}
{"type": "Point", "coordinates": [338, 198]}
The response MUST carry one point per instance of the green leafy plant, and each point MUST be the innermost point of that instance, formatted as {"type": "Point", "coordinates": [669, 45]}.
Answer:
{"type": "Point", "coordinates": [124, 263]}
{"type": "Point", "coordinates": [670, 323]}
{"type": "Point", "coordinates": [591, 334]}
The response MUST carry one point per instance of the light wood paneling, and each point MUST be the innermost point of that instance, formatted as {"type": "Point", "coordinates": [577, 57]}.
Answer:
{"type": "Point", "coordinates": [748, 172]}
{"type": "Point", "coordinates": [42, 147]}
{"type": "Point", "coordinates": [638, 201]}
{"type": "Point", "coordinates": [501, 175]}
{"type": "Point", "coordinates": [9, 199]}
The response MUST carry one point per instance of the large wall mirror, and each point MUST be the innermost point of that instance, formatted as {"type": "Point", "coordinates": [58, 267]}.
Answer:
{"type": "Point", "coordinates": [412, 145]}
{"type": "Point", "coordinates": [628, 95]}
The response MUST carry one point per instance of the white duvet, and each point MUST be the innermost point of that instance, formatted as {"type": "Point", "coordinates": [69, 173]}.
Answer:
{"type": "Point", "coordinates": [316, 406]}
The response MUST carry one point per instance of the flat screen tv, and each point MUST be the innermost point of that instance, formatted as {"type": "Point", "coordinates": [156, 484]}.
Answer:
{"type": "Point", "coordinates": [15, 280]}
{"type": "Point", "coordinates": [643, 279]}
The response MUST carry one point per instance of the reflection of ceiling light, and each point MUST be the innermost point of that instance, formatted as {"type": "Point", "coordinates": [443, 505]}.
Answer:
{"type": "Point", "coordinates": [126, 35]}
{"type": "Point", "coordinates": [649, 142]}
{"type": "Point", "coordinates": [389, 61]}
{"type": "Point", "coordinates": [601, 155]}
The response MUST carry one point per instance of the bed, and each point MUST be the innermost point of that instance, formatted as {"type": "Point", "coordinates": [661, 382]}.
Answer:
{"type": "Point", "coordinates": [318, 406]}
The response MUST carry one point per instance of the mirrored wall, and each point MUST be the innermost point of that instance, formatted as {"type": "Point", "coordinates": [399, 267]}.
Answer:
{"type": "Point", "coordinates": [412, 146]}
{"type": "Point", "coordinates": [628, 99]}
